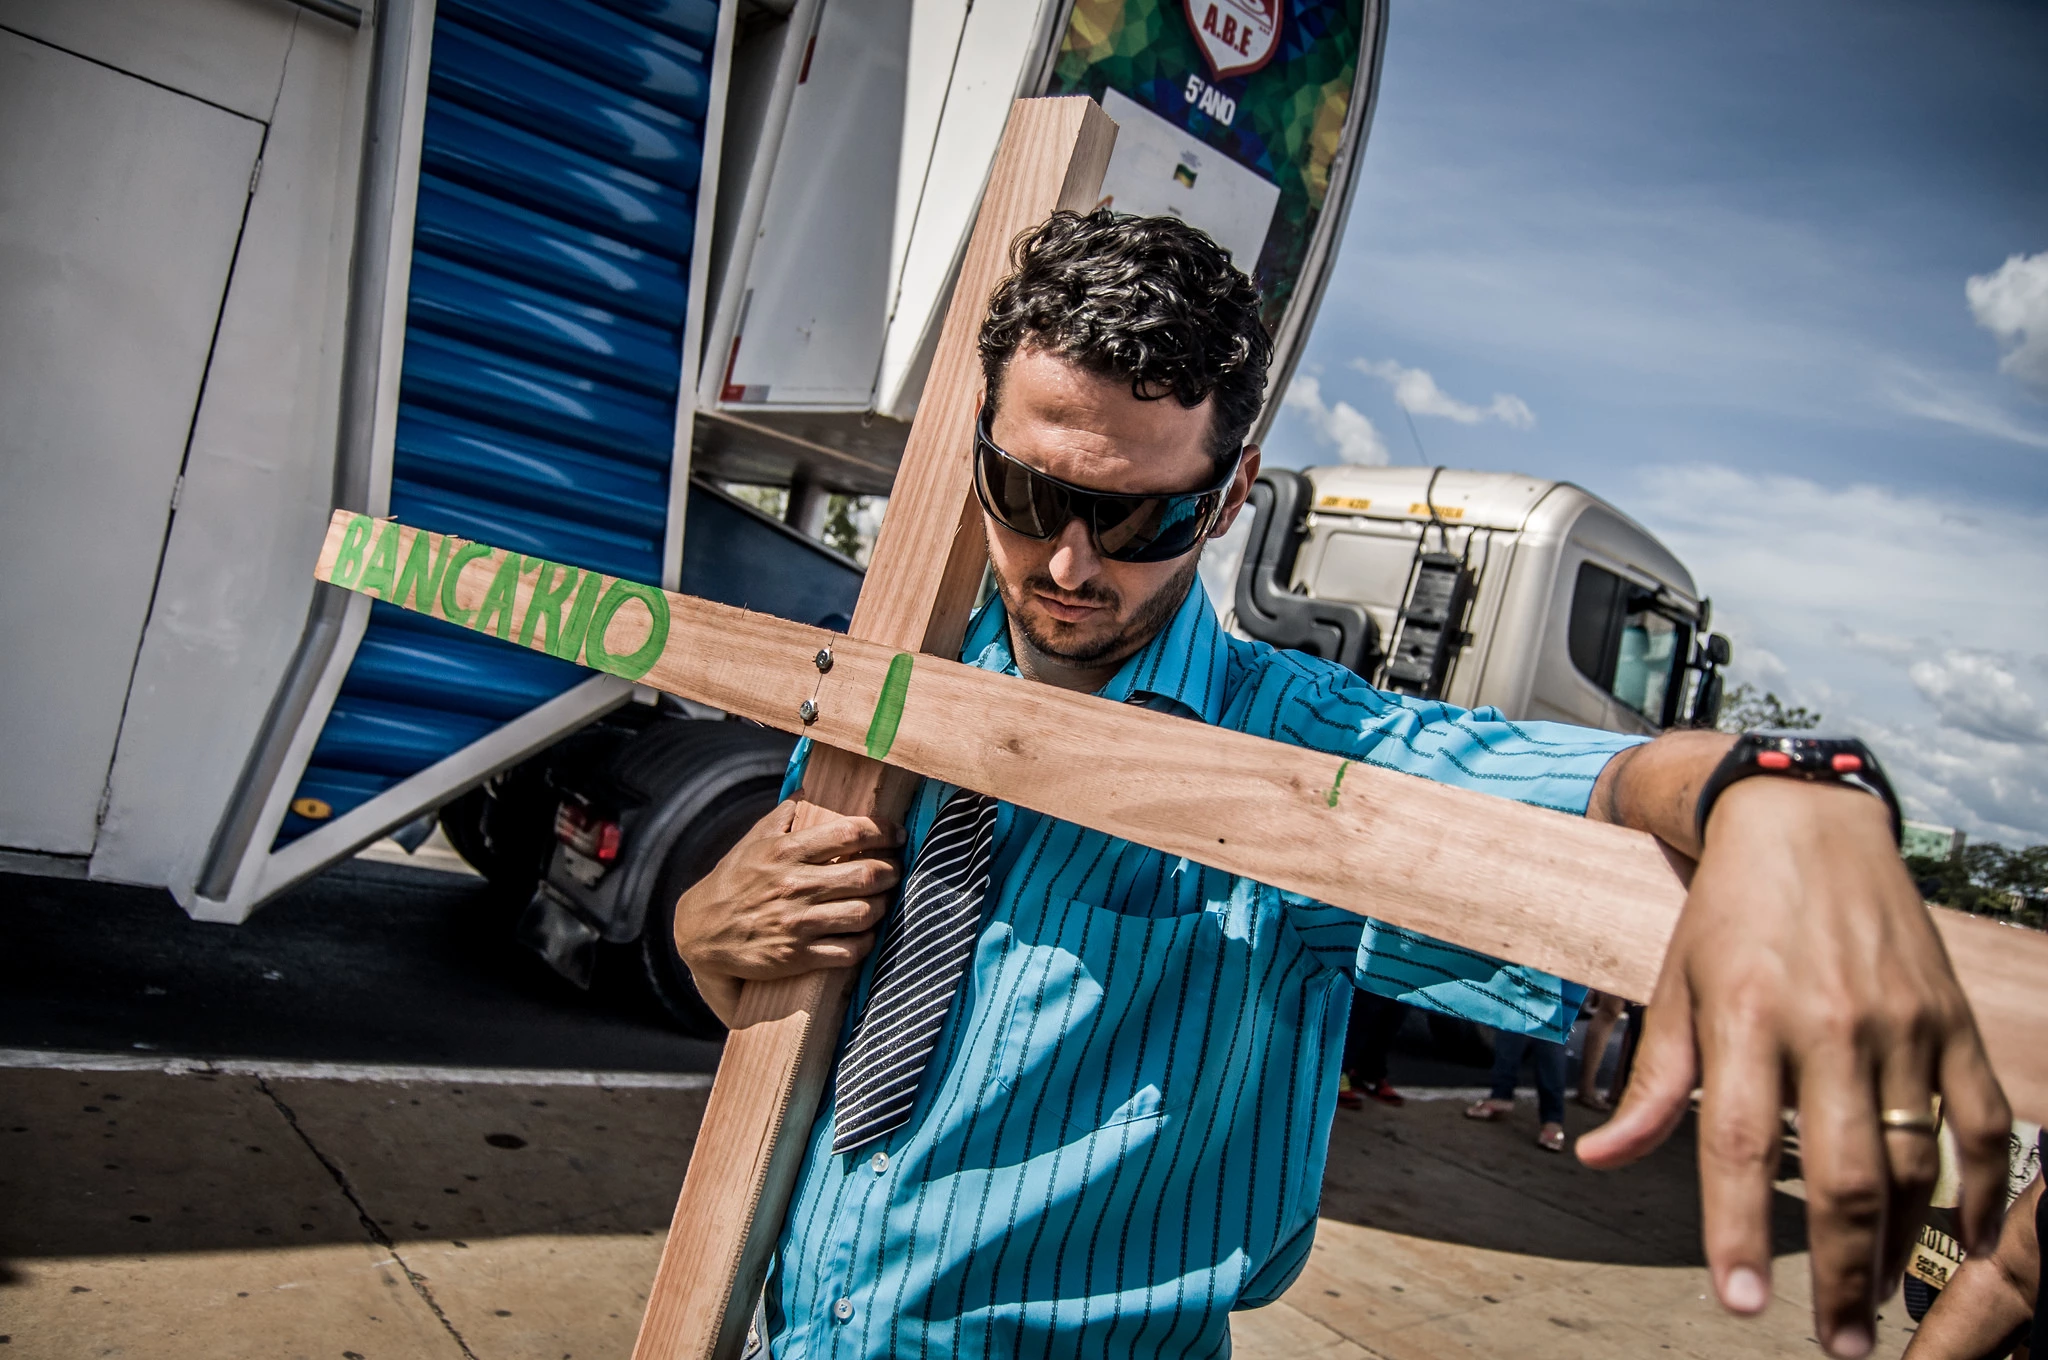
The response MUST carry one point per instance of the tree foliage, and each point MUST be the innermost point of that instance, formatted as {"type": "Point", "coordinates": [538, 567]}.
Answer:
{"type": "Point", "coordinates": [841, 533]}
{"type": "Point", "coordinates": [1743, 709]}
{"type": "Point", "coordinates": [771, 501]}
{"type": "Point", "coordinates": [1984, 877]}
{"type": "Point", "coordinates": [851, 524]}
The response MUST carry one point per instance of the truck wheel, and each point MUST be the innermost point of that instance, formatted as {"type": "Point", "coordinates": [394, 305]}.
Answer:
{"type": "Point", "coordinates": [664, 975]}
{"type": "Point", "coordinates": [504, 829]}
{"type": "Point", "coordinates": [462, 822]}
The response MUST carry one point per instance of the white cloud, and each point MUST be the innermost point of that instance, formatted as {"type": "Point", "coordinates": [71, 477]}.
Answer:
{"type": "Point", "coordinates": [1762, 665]}
{"type": "Point", "coordinates": [1978, 693]}
{"type": "Point", "coordinates": [1991, 789]}
{"type": "Point", "coordinates": [1901, 617]}
{"type": "Point", "coordinates": [2012, 303]}
{"type": "Point", "coordinates": [1417, 393]}
{"type": "Point", "coordinates": [1890, 646]}
{"type": "Point", "coordinates": [1919, 393]}
{"type": "Point", "coordinates": [1342, 426]}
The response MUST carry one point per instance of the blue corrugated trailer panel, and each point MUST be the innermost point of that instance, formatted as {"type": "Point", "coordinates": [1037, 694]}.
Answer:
{"type": "Point", "coordinates": [560, 154]}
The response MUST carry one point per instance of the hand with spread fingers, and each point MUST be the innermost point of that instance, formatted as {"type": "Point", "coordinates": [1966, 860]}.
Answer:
{"type": "Point", "coordinates": [1805, 973]}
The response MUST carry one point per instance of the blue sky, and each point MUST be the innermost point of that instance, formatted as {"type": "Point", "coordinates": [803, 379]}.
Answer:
{"type": "Point", "coordinates": [1714, 262]}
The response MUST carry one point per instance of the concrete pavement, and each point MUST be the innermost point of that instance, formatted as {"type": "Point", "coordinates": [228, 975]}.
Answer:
{"type": "Point", "coordinates": [273, 1210]}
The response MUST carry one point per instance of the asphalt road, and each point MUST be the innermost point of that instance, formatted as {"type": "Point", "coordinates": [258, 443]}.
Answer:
{"type": "Point", "coordinates": [367, 963]}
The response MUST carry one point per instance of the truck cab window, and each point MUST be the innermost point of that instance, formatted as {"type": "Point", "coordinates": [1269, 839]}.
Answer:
{"type": "Point", "coordinates": [1621, 642]}
{"type": "Point", "coordinates": [1596, 605]}
{"type": "Point", "coordinates": [1645, 668]}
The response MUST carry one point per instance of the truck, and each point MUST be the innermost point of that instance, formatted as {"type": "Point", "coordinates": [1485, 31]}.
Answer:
{"type": "Point", "coordinates": [564, 276]}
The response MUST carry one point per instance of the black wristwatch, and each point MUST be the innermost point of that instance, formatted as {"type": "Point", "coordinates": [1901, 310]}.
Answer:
{"type": "Point", "coordinates": [1838, 760]}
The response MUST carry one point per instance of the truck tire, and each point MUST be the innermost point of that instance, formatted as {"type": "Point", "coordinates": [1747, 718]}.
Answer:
{"type": "Point", "coordinates": [462, 822]}
{"type": "Point", "coordinates": [504, 828]}
{"type": "Point", "coordinates": [664, 977]}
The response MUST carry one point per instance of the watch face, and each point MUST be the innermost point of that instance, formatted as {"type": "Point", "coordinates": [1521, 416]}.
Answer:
{"type": "Point", "coordinates": [1814, 757]}
{"type": "Point", "coordinates": [1800, 755]}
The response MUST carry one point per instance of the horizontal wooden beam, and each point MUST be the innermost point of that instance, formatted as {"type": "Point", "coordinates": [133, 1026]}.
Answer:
{"type": "Point", "coordinates": [1585, 900]}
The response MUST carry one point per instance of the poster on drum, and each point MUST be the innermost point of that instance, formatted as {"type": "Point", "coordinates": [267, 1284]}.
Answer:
{"type": "Point", "coordinates": [1231, 114]}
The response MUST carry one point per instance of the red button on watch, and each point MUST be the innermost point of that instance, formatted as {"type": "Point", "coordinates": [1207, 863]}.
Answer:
{"type": "Point", "coordinates": [1836, 760]}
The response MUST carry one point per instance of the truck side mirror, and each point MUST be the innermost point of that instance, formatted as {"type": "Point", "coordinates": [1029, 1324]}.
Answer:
{"type": "Point", "coordinates": [1714, 653]}
{"type": "Point", "coordinates": [1706, 703]}
{"type": "Point", "coordinates": [1335, 630]}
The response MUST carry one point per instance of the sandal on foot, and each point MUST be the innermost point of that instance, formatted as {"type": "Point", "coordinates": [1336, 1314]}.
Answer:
{"type": "Point", "coordinates": [1488, 1109]}
{"type": "Point", "coordinates": [1551, 1138]}
{"type": "Point", "coordinates": [1595, 1101]}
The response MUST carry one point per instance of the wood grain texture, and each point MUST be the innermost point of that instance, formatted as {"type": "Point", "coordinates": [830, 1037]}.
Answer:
{"type": "Point", "coordinates": [919, 591]}
{"type": "Point", "coordinates": [2004, 972]}
{"type": "Point", "coordinates": [1585, 900]}
{"type": "Point", "coordinates": [927, 561]}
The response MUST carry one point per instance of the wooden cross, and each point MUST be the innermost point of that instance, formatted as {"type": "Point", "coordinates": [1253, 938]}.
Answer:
{"type": "Point", "coordinates": [887, 703]}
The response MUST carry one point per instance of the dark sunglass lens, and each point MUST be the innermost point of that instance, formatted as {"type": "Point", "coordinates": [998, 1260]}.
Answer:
{"type": "Point", "coordinates": [1125, 528]}
{"type": "Point", "coordinates": [1152, 530]}
{"type": "Point", "coordinates": [1019, 497]}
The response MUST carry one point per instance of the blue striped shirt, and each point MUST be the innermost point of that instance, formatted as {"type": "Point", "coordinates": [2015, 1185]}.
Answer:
{"type": "Point", "coordinates": [1120, 1136]}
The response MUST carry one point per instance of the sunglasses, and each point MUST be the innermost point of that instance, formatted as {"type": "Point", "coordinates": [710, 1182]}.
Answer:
{"type": "Point", "coordinates": [1124, 528]}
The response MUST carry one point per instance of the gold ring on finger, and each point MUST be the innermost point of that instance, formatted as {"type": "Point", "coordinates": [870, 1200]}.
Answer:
{"type": "Point", "coordinates": [1908, 1120]}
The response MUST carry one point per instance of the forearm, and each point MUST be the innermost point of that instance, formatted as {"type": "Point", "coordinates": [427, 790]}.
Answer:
{"type": "Point", "coordinates": [1655, 787]}
{"type": "Point", "coordinates": [1978, 1309]}
{"type": "Point", "coordinates": [1989, 1295]}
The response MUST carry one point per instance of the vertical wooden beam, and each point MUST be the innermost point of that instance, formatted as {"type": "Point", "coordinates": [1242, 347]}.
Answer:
{"type": "Point", "coordinates": [920, 589]}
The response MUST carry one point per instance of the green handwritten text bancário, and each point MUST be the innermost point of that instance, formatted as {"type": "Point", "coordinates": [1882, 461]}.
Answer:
{"type": "Point", "coordinates": [567, 610]}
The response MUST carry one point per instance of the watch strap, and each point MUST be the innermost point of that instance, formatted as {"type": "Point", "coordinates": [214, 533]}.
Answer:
{"type": "Point", "coordinates": [1835, 760]}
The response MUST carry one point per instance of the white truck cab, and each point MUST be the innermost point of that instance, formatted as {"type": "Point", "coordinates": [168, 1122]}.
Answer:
{"type": "Point", "coordinates": [1495, 589]}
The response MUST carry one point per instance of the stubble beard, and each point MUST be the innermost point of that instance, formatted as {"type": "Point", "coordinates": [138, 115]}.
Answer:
{"type": "Point", "coordinates": [1151, 616]}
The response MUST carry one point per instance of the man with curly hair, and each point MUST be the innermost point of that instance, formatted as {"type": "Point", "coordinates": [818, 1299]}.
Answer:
{"type": "Point", "coordinates": [1084, 1098]}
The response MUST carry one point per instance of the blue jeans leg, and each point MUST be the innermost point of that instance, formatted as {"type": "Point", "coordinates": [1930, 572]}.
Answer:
{"type": "Point", "coordinates": [1549, 1063]}
{"type": "Point", "coordinates": [1508, 1049]}
{"type": "Point", "coordinates": [1548, 1060]}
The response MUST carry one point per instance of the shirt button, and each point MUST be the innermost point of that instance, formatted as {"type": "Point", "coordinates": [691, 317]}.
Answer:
{"type": "Point", "coordinates": [880, 1162]}
{"type": "Point", "coordinates": [843, 1309]}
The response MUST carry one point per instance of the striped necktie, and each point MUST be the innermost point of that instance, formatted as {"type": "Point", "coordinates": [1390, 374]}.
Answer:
{"type": "Point", "coordinates": [921, 965]}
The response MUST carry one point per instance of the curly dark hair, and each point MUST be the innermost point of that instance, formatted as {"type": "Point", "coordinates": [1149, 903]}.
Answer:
{"type": "Point", "coordinates": [1148, 299]}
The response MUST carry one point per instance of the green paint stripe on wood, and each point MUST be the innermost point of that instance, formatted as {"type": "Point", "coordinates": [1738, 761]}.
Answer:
{"type": "Point", "coordinates": [889, 708]}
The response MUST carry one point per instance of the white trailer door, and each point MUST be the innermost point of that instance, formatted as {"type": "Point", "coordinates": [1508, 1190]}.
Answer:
{"type": "Point", "coordinates": [120, 203]}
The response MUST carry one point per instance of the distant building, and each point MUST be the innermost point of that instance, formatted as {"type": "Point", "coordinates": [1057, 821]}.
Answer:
{"type": "Point", "coordinates": [1932, 842]}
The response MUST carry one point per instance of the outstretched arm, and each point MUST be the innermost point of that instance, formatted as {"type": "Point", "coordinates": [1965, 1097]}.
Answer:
{"type": "Point", "coordinates": [1805, 972]}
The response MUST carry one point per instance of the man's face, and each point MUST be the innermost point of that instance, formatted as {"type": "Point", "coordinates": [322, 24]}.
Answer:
{"type": "Point", "coordinates": [1076, 608]}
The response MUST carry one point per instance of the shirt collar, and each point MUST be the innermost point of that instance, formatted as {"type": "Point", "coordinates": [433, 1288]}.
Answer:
{"type": "Point", "coordinates": [1184, 664]}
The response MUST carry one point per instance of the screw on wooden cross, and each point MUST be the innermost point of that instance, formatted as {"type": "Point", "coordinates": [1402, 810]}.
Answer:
{"type": "Point", "coordinates": [886, 704]}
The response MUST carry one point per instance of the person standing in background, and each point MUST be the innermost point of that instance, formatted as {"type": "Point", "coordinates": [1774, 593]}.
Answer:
{"type": "Point", "coordinates": [1375, 1020]}
{"type": "Point", "coordinates": [1605, 1010]}
{"type": "Point", "coordinates": [1548, 1059]}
